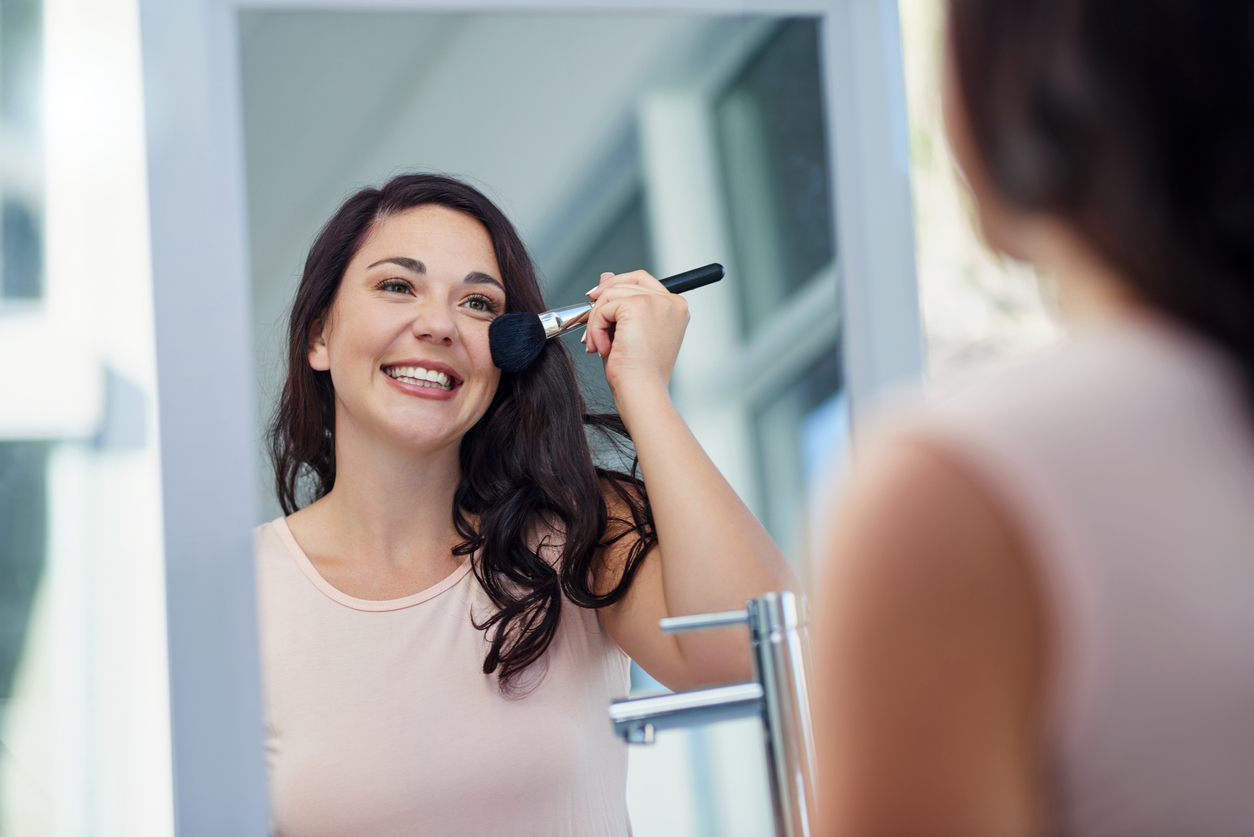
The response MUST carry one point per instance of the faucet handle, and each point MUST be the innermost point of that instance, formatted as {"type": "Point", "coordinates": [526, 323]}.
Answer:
{"type": "Point", "coordinates": [703, 621]}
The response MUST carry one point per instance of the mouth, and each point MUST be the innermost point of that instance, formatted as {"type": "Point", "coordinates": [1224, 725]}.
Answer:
{"type": "Point", "coordinates": [421, 376]}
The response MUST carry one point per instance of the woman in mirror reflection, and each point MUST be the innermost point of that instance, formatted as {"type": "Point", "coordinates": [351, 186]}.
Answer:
{"type": "Point", "coordinates": [1039, 599]}
{"type": "Point", "coordinates": [450, 604]}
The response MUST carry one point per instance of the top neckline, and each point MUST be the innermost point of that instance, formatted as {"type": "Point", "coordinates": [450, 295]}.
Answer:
{"type": "Point", "coordinates": [337, 595]}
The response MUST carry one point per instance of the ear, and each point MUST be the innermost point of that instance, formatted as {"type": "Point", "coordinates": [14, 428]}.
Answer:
{"type": "Point", "coordinates": [319, 358]}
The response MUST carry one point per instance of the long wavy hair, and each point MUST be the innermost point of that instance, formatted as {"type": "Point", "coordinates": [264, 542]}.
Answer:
{"type": "Point", "coordinates": [527, 467]}
{"type": "Point", "coordinates": [1132, 121]}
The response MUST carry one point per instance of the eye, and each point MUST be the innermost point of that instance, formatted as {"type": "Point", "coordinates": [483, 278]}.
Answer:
{"type": "Point", "coordinates": [478, 302]}
{"type": "Point", "coordinates": [399, 286]}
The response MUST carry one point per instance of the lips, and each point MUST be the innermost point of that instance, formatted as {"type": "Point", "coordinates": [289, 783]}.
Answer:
{"type": "Point", "coordinates": [422, 376]}
{"type": "Point", "coordinates": [428, 374]}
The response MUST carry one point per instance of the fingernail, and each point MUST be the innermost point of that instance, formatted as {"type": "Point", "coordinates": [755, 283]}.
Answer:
{"type": "Point", "coordinates": [594, 290]}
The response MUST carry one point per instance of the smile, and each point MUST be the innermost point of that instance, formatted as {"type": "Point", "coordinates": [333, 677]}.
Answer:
{"type": "Point", "coordinates": [418, 376]}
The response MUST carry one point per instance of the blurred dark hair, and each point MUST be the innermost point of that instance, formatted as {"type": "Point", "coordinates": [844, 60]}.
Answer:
{"type": "Point", "coordinates": [1133, 122]}
{"type": "Point", "coordinates": [526, 465]}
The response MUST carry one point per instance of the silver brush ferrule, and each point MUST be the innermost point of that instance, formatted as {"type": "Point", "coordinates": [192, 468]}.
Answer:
{"type": "Point", "coordinates": [561, 320]}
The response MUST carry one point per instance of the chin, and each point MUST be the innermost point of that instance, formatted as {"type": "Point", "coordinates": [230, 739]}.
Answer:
{"type": "Point", "coordinates": [421, 437]}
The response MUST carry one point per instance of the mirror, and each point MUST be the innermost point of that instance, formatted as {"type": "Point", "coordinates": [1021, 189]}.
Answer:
{"type": "Point", "coordinates": [612, 142]}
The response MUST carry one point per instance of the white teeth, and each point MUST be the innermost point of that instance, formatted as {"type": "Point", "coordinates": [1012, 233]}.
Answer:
{"type": "Point", "coordinates": [419, 376]}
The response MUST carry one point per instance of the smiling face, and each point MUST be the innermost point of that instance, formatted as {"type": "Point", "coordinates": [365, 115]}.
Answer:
{"type": "Point", "coordinates": [406, 339]}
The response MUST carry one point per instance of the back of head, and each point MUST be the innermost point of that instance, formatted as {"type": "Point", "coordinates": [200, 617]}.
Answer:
{"type": "Point", "coordinates": [1133, 122]}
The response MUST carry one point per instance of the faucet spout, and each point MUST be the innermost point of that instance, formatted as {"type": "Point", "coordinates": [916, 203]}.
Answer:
{"type": "Point", "coordinates": [638, 719]}
{"type": "Point", "coordinates": [777, 697]}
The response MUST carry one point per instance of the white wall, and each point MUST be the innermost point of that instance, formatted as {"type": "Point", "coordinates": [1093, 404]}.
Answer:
{"type": "Point", "coordinates": [86, 733]}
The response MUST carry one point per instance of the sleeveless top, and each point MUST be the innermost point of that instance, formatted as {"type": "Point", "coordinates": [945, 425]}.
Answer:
{"type": "Point", "coordinates": [380, 720]}
{"type": "Point", "coordinates": [1126, 458]}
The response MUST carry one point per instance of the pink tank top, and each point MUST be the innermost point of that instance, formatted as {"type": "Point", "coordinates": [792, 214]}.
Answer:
{"type": "Point", "coordinates": [1126, 457]}
{"type": "Point", "coordinates": [381, 722]}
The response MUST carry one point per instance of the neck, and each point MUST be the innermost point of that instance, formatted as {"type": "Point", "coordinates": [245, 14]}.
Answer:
{"type": "Point", "coordinates": [1088, 288]}
{"type": "Point", "coordinates": [388, 505]}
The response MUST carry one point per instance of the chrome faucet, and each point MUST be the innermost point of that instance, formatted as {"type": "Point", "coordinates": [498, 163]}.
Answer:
{"type": "Point", "coordinates": [777, 696]}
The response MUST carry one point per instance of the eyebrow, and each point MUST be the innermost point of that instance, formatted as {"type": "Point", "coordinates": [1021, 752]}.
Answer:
{"type": "Point", "coordinates": [474, 277]}
{"type": "Point", "coordinates": [412, 265]}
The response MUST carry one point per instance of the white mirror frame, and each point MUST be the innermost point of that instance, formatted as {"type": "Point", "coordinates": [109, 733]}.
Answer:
{"type": "Point", "coordinates": [201, 292]}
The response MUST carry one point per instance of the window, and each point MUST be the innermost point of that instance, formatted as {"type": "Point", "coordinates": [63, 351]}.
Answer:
{"type": "Point", "coordinates": [769, 120]}
{"type": "Point", "coordinates": [23, 545]}
{"type": "Point", "coordinates": [622, 245]}
{"type": "Point", "coordinates": [774, 164]}
{"type": "Point", "coordinates": [21, 256]}
{"type": "Point", "coordinates": [21, 266]}
{"type": "Point", "coordinates": [802, 432]}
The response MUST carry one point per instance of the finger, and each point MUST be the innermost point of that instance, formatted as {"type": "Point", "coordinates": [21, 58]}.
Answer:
{"type": "Point", "coordinates": [589, 335]}
{"type": "Point", "coordinates": [592, 294]}
{"type": "Point", "coordinates": [600, 329]}
{"type": "Point", "coordinates": [608, 307]}
{"type": "Point", "coordinates": [600, 339]}
{"type": "Point", "coordinates": [610, 311]}
{"type": "Point", "coordinates": [638, 278]}
{"type": "Point", "coordinates": [621, 290]}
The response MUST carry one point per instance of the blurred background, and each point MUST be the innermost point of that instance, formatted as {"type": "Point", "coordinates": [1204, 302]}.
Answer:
{"type": "Point", "coordinates": [977, 307]}
{"type": "Point", "coordinates": [662, 141]}
{"type": "Point", "coordinates": [84, 707]}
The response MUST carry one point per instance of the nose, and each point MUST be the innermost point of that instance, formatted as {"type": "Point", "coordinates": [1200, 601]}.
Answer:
{"type": "Point", "coordinates": [434, 323]}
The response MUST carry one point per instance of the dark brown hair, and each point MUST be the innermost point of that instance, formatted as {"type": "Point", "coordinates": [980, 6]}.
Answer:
{"type": "Point", "coordinates": [1132, 121]}
{"type": "Point", "coordinates": [527, 468]}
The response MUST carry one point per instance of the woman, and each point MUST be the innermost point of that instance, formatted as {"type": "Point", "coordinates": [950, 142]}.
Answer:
{"type": "Point", "coordinates": [445, 624]}
{"type": "Point", "coordinates": [1039, 603]}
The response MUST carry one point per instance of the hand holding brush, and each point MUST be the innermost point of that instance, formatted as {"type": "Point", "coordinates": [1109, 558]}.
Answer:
{"type": "Point", "coordinates": [516, 339]}
{"type": "Point", "coordinates": [710, 547]}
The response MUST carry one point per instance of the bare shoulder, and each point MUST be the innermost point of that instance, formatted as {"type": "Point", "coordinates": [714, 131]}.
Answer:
{"type": "Point", "coordinates": [917, 521]}
{"type": "Point", "coordinates": [929, 647]}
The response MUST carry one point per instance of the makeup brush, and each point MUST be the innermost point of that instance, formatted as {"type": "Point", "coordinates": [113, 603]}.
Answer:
{"type": "Point", "coordinates": [517, 339]}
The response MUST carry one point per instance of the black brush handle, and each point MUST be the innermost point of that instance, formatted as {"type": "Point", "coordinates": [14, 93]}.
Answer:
{"type": "Point", "coordinates": [696, 278]}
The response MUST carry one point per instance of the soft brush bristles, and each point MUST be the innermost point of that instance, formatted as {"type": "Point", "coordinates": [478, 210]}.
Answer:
{"type": "Point", "coordinates": [516, 340]}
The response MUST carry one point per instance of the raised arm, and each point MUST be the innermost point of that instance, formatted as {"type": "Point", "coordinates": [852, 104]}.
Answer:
{"type": "Point", "coordinates": [712, 553]}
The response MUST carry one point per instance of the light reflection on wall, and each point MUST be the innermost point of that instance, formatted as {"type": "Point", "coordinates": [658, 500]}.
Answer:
{"type": "Point", "coordinates": [977, 307]}
{"type": "Point", "coordinates": [84, 718]}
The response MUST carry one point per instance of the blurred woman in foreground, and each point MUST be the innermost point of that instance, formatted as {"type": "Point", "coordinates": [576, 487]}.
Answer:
{"type": "Point", "coordinates": [1039, 606]}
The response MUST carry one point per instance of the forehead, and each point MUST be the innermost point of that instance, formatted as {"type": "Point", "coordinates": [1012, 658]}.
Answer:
{"type": "Point", "coordinates": [439, 237]}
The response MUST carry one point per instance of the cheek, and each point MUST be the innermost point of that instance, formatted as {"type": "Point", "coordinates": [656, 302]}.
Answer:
{"type": "Point", "coordinates": [367, 331]}
{"type": "Point", "coordinates": [487, 382]}
{"type": "Point", "coordinates": [491, 376]}
{"type": "Point", "coordinates": [479, 347]}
